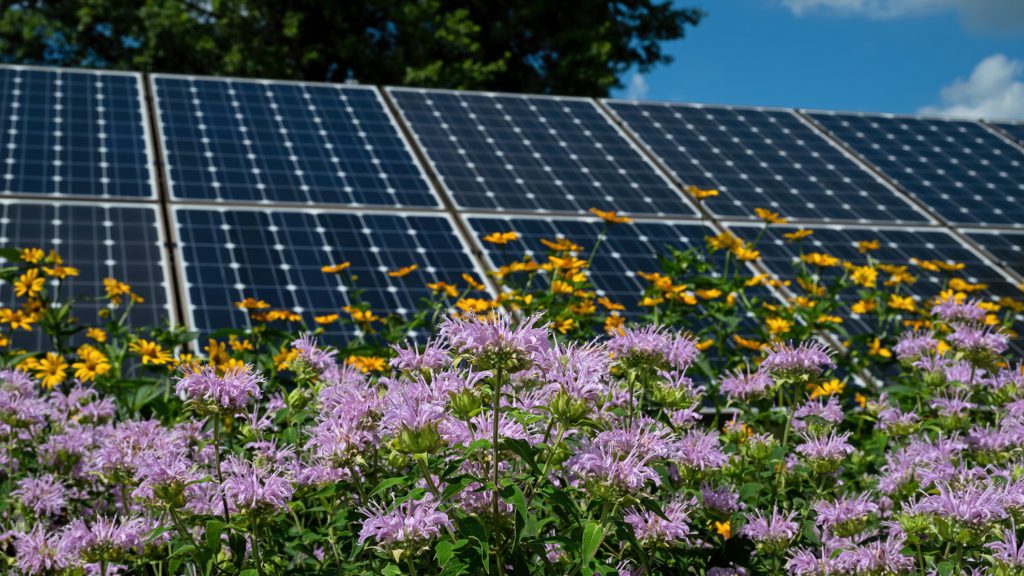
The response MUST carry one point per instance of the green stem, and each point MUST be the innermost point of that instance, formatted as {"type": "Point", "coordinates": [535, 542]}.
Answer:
{"type": "Point", "coordinates": [216, 457]}
{"type": "Point", "coordinates": [255, 544]}
{"type": "Point", "coordinates": [496, 407]}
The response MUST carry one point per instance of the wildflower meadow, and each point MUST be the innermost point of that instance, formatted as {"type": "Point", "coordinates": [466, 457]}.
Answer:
{"type": "Point", "coordinates": [714, 425]}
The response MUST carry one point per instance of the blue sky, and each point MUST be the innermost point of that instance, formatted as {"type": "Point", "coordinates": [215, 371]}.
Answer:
{"type": "Point", "coordinates": [959, 57]}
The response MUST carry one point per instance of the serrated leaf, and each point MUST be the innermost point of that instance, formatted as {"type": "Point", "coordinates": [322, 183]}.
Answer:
{"type": "Point", "coordinates": [593, 534]}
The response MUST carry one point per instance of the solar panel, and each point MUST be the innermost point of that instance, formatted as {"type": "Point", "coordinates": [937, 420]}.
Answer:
{"type": "Point", "coordinates": [101, 240]}
{"type": "Point", "coordinates": [284, 142]}
{"type": "Point", "coordinates": [896, 246]}
{"type": "Point", "coordinates": [762, 158]}
{"type": "Point", "coordinates": [959, 169]}
{"type": "Point", "coordinates": [510, 152]}
{"type": "Point", "coordinates": [1007, 247]}
{"type": "Point", "coordinates": [1014, 130]}
{"type": "Point", "coordinates": [74, 133]}
{"type": "Point", "coordinates": [276, 255]}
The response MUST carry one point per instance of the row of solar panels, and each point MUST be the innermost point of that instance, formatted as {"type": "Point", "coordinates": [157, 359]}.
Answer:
{"type": "Point", "coordinates": [269, 151]}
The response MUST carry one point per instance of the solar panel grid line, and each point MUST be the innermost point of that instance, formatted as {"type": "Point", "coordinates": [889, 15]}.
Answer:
{"type": "Point", "coordinates": [780, 162]}
{"type": "Point", "coordinates": [314, 238]}
{"type": "Point", "coordinates": [1009, 138]}
{"type": "Point", "coordinates": [87, 139]}
{"type": "Point", "coordinates": [935, 163]}
{"type": "Point", "coordinates": [345, 152]}
{"type": "Point", "coordinates": [614, 169]}
{"type": "Point", "coordinates": [1003, 247]}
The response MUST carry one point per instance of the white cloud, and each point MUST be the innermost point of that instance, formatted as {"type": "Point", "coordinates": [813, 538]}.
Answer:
{"type": "Point", "coordinates": [637, 87]}
{"type": "Point", "coordinates": [977, 15]}
{"type": "Point", "coordinates": [995, 89]}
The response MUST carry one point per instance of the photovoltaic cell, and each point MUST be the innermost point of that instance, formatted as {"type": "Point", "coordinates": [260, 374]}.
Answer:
{"type": "Point", "coordinates": [896, 246]}
{"type": "Point", "coordinates": [102, 241]}
{"type": "Point", "coordinates": [1008, 247]}
{"type": "Point", "coordinates": [276, 255]}
{"type": "Point", "coordinates": [762, 158]}
{"type": "Point", "coordinates": [965, 173]}
{"type": "Point", "coordinates": [284, 142]}
{"type": "Point", "coordinates": [533, 153]}
{"type": "Point", "coordinates": [1014, 130]}
{"type": "Point", "coordinates": [74, 133]}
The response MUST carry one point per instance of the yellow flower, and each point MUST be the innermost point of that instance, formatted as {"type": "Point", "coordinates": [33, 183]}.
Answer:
{"type": "Point", "coordinates": [961, 285]}
{"type": "Point", "coordinates": [898, 302]}
{"type": "Point", "coordinates": [217, 352]}
{"type": "Point", "coordinates": [561, 287]}
{"type": "Point", "coordinates": [326, 319]}
{"type": "Point", "coordinates": [565, 325]}
{"type": "Point", "coordinates": [928, 265]}
{"type": "Point", "coordinates": [187, 362]}
{"type": "Point", "coordinates": [651, 301]}
{"type": "Point", "coordinates": [768, 216]}
{"type": "Point", "coordinates": [443, 287]}
{"type": "Point", "coordinates": [151, 352]}
{"type": "Point", "coordinates": [861, 400]}
{"type": "Point", "coordinates": [91, 363]}
{"type": "Point", "coordinates": [501, 238]}
{"type": "Point", "coordinates": [30, 283]}
{"type": "Point", "coordinates": [366, 364]}
{"type": "Point", "coordinates": [833, 386]}
{"type": "Point", "coordinates": [239, 345]}
{"type": "Point", "coordinates": [403, 272]}
{"type": "Point", "coordinates": [472, 282]}
{"type": "Point", "coordinates": [723, 241]}
{"type": "Point", "coordinates": [252, 304]}
{"type": "Point", "coordinates": [656, 279]}
{"type": "Point", "coordinates": [778, 325]}
{"type": "Point", "coordinates": [335, 268]}
{"type": "Point", "coordinates": [829, 319]}
{"type": "Point", "coordinates": [475, 305]}
{"type": "Point", "coordinates": [284, 358]}
{"type": "Point", "coordinates": [797, 235]}
{"type": "Point", "coordinates": [561, 245]}
{"type": "Point", "coordinates": [865, 246]}
{"type": "Point", "coordinates": [116, 291]}
{"type": "Point", "coordinates": [60, 271]}
{"type": "Point", "coordinates": [709, 294]}
{"type": "Point", "coordinates": [701, 194]}
{"type": "Point", "coordinates": [746, 253]}
{"type": "Point", "coordinates": [865, 276]}
{"type": "Point", "coordinates": [16, 318]}
{"type": "Point", "coordinates": [32, 255]}
{"type": "Point", "coordinates": [819, 259]}
{"type": "Point", "coordinates": [585, 307]}
{"type": "Point", "coordinates": [613, 324]}
{"type": "Point", "coordinates": [611, 217]}
{"type": "Point", "coordinates": [702, 346]}
{"type": "Point", "coordinates": [609, 305]}
{"type": "Point", "coordinates": [361, 316]}
{"type": "Point", "coordinates": [748, 344]}
{"type": "Point", "coordinates": [876, 349]}
{"type": "Point", "coordinates": [51, 370]}
{"type": "Point", "coordinates": [724, 529]}
{"type": "Point", "coordinates": [756, 280]}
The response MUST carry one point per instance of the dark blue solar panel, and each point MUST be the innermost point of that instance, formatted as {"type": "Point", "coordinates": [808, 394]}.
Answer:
{"type": "Point", "coordinates": [284, 142]}
{"type": "Point", "coordinates": [965, 173]}
{"type": "Point", "coordinates": [763, 158]}
{"type": "Point", "coordinates": [277, 255]}
{"type": "Point", "coordinates": [73, 133]}
{"type": "Point", "coordinates": [896, 246]}
{"type": "Point", "coordinates": [534, 153]}
{"type": "Point", "coordinates": [1014, 130]}
{"type": "Point", "coordinates": [1008, 247]}
{"type": "Point", "coordinates": [100, 240]}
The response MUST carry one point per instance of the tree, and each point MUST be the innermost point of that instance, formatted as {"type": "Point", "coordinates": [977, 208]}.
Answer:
{"type": "Point", "coordinates": [548, 46]}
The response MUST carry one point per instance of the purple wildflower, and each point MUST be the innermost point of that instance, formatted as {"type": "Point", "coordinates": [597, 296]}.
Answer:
{"type": "Point", "coordinates": [895, 421]}
{"type": "Point", "coordinates": [955, 310]}
{"type": "Point", "coordinates": [653, 530]}
{"type": "Point", "coordinates": [720, 501]}
{"type": "Point", "coordinates": [970, 504]}
{"type": "Point", "coordinates": [771, 533]}
{"type": "Point", "coordinates": [818, 414]}
{"type": "Point", "coordinates": [44, 495]}
{"type": "Point", "coordinates": [976, 341]}
{"type": "Point", "coordinates": [496, 340]}
{"type": "Point", "coordinates": [845, 516]}
{"type": "Point", "coordinates": [103, 538]}
{"type": "Point", "coordinates": [251, 489]}
{"type": "Point", "coordinates": [229, 393]}
{"type": "Point", "coordinates": [953, 405]}
{"type": "Point", "coordinates": [825, 452]}
{"type": "Point", "coordinates": [619, 459]}
{"type": "Point", "coordinates": [431, 358]}
{"type": "Point", "coordinates": [741, 386]}
{"type": "Point", "coordinates": [806, 361]}
{"type": "Point", "coordinates": [1008, 551]}
{"type": "Point", "coordinates": [876, 557]}
{"type": "Point", "coordinates": [410, 525]}
{"type": "Point", "coordinates": [653, 346]}
{"type": "Point", "coordinates": [319, 359]}
{"type": "Point", "coordinates": [37, 552]}
{"type": "Point", "coordinates": [913, 345]}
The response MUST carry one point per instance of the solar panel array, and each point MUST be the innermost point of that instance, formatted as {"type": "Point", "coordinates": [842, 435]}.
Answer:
{"type": "Point", "coordinates": [263, 183]}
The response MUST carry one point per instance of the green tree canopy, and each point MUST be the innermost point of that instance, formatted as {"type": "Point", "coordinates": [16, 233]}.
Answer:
{"type": "Point", "coordinates": [547, 46]}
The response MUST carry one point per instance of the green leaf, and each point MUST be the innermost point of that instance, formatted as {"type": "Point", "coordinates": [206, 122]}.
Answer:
{"type": "Point", "coordinates": [384, 485]}
{"type": "Point", "coordinates": [444, 550]}
{"type": "Point", "coordinates": [249, 572]}
{"type": "Point", "coordinates": [593, 534]}
{"type": "Point", "coordinates": [391, 570]}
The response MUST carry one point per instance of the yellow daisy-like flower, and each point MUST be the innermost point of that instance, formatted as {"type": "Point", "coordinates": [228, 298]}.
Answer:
{"type": "Point", "coordinates": [561, 287]}
{"type": "Point", "coordinates": [217, 352]}
{"type": "Point", "coordinates": [768, 216]}
{"type": "Point", "coordinates": [613, 324]}
{"type": "Point", "coordinates": [32, 255]}
{"type": "Point", "coordinates": [565, 325]}
{"type": "Point", "coordinates": [326, 319]}
{"type": "Point", "coordinates": [361, 316]}
{"type": "Point", "coordinates": [585, 307]}
{"type": "Point", "coordinates": [746, 253]}
{"type": "Point", "coordinates": [756, 280]}
{"type": "Point", "coordinates": [797, 235]}
{"type": "Point", "coordinates": [649, 301]}
{"type": "Point", "coordinates": [723, 529]}
{"type": "Point", "coordinates": [30, 283]}
{"type": "Point", "coordinates": [284, 358]}
{"type": "Point", "coordinates": [709, 294]}
{"type": "Point", "coordinates": [825, 389]}
{"type": "Point", "coordinates": [403, 272]}
{"type": "Point", "coordinates": [778, 325]}
{"type": "Point", "coordinates": [252, 304]}
{"type": "Point", "coordinates": [723, 241]}
{"type": "Point", "coordinates": [51, 370]}
{"type": "Point", "coordinates": [704, 345]}
{"type": "Point", "coordinates": [561, 245]}
{"type": "Point", "coordinates": [820, 259]}
{"type": "Point", "coordinates": [501, 238]}
{"type": "Point", "coordinates": [748, 344]}
{"type": "Point", "coordinates": [16, 319]}
{"type": "Point", "coordinates": [876, 349]}
{"type": "Point", "coordinates": [829, 319]}
{"type": "Point", "coordinates": [898, 302]}
{"type": "Point", "coordinates": [366, 364]}
{"type": "Point", "coordinates": [239, 345]}
{"type": "Point", "coordinates": [961, 285]}
{"type": "Point", "coordinates": [700, 194]}
{"type": "Point", "coordinates": [60, 271]}
{"type": "Point", "coordinates": [335, 268]}
{"type": "Point", "coordinates": [91, 363]}
{"type": "Point", "coordinates": [151, 352]}
{"type": "Point", "coordinates": [865, 246]}
{"type": "Point", "coordinates": [441, 287]}
{"type": "Point", "coordinates": [865, 276]}
{"type": "Point", "coordinates": [472, 282]}
{"type": "Point", "coordinates": [611, 217]}
{"type": "Point", "coordinates": [474, 305]}
{"type": "Point", "coordinates": [609, 305]}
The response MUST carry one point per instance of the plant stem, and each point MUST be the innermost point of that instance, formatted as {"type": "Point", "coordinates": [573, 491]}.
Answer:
{"type": "Point", "coordinates": [255, 544]}
{"type": "Point", "coordinates": [494, 460]}
{"type": "Point", "coordinates": [216, 457]}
